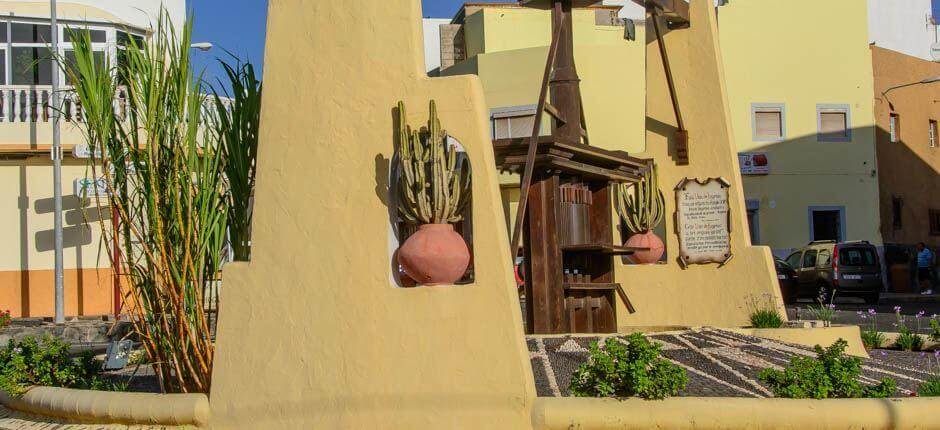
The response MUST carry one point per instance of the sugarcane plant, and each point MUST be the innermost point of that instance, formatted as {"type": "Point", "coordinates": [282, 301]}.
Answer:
{"type": "Point", "coordinates": [642, 205]}
{"type": "Point", "coordinates": [166, 183]}
{"type": "Point", "coordinates": [434, 183]}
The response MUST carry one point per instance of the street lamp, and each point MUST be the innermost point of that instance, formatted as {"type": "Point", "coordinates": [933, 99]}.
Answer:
{"type": "Point", "coordinates": [920, 82]}
{"type": "Point", "coordinates": [56, 154]}
{"type": "Point", "coordinates": [202, 46]}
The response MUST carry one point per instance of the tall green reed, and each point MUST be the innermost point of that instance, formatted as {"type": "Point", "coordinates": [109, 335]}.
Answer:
{"type": "Point", "coordinates": [165, 176]}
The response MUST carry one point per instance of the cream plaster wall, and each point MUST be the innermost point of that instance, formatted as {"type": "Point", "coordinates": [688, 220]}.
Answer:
{"type": "Point", "coordinates": [666, 294]}
{"type": "Point", "coordinates": [339, 345]}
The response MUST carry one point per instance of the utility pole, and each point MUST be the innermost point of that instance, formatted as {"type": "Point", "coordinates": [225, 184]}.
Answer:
{"type": "Point", "coordinates": [57, 172]}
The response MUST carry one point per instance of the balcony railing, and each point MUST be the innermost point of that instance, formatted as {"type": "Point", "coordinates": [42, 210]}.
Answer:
{"type": "Point", "coordinates": [33, 104]}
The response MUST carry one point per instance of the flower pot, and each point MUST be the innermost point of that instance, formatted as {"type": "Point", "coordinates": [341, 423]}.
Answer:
{"type": "Point", "coordinates": [434, 255]}
{"type": "Point", "coordinates": [650, 240]}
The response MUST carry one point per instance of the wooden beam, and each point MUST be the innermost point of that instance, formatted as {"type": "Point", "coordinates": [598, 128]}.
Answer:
{"type": "Point", "coordinates": [676, 12]}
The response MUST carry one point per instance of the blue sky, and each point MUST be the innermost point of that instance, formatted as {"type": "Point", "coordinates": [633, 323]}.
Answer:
{"type": "Point", "coordinates": [234, 25]}
{"type": "Point", "coordinates": [239, 26]}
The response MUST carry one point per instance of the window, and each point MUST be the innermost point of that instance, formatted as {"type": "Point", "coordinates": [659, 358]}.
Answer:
{"type": "Point", "coordinates": [932, 133]}
{"type": "Point", "coordinates": [833, 123]}
{"type": "Point", "coordinates": [809, 258]}
{"type": "Point", "coordinates": [824, 259]}
{"type": "Point", "coordinates": [768, 121]}
{"type": "Point", "coordinates": [31, 66]}
{"type": "Point", "coordinates": [71, 61]}
{"type": "Point", "coordinates": [934, 216]}
{"type": "Point", "coordinates": [894, 127]}
{"type": "Point", "coordinates": [897, 208]}
{"type": "Point", "coordinates": [96, 36]}
{"type": "Point", "coordinates": [857, 257]}
{"type": "Point", "coordinates": [513, 122]}
{"type": "Point", "coordinates": [794, 260]}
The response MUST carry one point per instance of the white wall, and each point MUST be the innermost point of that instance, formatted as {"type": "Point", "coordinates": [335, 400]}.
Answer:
{"type": "Point", "coordinates": [629, 9]}
{"type": "Point", "coordinates": [138, 13]}
{"type": "Point", "coordinates": [432, 42]}
{"type": "Point", "coordinates": [902, 26]}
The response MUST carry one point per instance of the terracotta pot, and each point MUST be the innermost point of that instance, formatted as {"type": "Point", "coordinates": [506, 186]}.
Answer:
{"type": "Point", "coordinates": [434, 255]}
{"type": "Point", "coordinates": [650, 240]}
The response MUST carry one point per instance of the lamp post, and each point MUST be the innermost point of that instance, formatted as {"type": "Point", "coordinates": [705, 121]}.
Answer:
{"type": "Point", "coordinates": [202, 46]}
{"type": "Point", "coordinates": [56, 156]}
{"type": "Point", "coordinates": [910, 84]}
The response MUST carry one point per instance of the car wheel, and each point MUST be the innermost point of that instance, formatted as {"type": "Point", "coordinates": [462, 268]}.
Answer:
{"type": "Point", "coordinates": [872, 299]}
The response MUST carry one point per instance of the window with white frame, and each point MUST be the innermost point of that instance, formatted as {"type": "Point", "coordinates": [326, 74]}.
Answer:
{"type": "Point", "coordinates": [894, 127]}
{"type": "Point", "coordinates": [768, 122]}
{"type": "Point", "coordinates": [932, 133]}
{"type": "Point", "coordinates": [25, 58]}
{"type": "Point", "coordinates": [513, 122]}
{"type": "Point", "coordinates": [833, 123]}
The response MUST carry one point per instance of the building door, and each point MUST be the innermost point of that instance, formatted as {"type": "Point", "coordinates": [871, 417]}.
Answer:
{"type": "Point", "coordinates": [753, 221]}
{"type": "Point", "coordinates": [827, 225]}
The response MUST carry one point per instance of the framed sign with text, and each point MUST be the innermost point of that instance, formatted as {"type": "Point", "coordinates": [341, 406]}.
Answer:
{"type": "Point", "coordinates": [703, 221]}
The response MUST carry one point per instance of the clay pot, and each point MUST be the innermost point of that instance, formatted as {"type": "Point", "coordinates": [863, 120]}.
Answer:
{"type": "Point", "coordinates": [434, 255]}
{"type": "Point", "coordinates": [650, 240]}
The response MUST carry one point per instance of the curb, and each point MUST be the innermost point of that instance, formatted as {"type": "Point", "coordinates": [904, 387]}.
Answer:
{"type": "Point", "coordinates": [689, 413]}
{"type": "Point", "coordinates": [105, 407]}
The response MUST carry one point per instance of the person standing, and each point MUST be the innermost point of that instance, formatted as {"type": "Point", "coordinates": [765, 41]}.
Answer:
{"type": "Point", "coordinates": [925, 265]}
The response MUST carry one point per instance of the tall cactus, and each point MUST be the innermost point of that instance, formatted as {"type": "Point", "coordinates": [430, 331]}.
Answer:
{"type": "Point", "coordinates": [433, 187]}
{"type": "Point", "coordinates": [642, 205]}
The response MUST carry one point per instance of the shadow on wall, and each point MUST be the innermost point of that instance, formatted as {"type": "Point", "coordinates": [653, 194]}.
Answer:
{"type": "Point", "coordinates": [75, 232]}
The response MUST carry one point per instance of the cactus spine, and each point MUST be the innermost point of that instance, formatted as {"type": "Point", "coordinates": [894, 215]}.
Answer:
{"type": "Point", "coordinates": [433, 188]}
{"type": "Point", "coordinates": [642, 205]}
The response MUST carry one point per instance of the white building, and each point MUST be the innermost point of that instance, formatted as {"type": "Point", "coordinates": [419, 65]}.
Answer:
{"type": "Point", "coordinates": [905, 26]}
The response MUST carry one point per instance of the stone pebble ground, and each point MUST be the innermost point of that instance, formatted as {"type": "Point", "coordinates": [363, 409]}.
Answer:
{"type": "Point", "coordinates": [718, 363]}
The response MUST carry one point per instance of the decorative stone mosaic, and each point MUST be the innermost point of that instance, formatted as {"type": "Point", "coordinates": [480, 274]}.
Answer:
{"type": "Point", "coordinates": [718, 363]}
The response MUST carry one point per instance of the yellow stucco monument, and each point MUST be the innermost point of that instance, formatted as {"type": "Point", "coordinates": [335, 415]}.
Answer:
{"type": "Point", "coordinates": [314, 333]}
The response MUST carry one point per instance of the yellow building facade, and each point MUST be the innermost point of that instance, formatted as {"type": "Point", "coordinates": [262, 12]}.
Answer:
{"type": "Point", "coordinates": [800, 89]}
{"type": "Point", "coordinates": [818, 183]}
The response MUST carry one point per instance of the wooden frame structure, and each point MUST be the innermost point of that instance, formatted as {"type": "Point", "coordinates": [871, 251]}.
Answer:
{"type": "Point", "coordinates": [565, 208]}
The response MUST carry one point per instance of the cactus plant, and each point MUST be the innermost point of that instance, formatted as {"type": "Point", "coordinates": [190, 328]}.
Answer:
{"type": "Point", "coordinates": [643, 208]}
{"type": "Point", "coordinates": [433, 187]}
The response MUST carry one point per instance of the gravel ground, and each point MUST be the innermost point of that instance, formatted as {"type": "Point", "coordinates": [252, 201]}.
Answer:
{"type": "Point", "coordinates": [718, 363]}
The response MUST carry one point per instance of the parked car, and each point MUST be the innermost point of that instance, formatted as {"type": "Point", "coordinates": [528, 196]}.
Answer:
{"type": "Point", "coordinates": [825, 269]}
{"type": "Point", "coordinates": [788, 281]}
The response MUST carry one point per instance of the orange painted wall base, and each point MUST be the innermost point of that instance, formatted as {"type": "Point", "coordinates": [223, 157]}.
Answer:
{"type": "Point", "coordinates": [30, 293]}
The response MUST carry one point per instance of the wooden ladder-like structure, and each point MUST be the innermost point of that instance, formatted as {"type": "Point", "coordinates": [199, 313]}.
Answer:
{"type": "Point", "coordinates": [565, 207]}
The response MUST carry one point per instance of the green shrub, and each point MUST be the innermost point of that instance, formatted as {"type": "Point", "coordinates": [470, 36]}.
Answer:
{"type": "Point", "coordinates": [930, 387]}
{"type": "Point", "coordinates": [830, 375]}
{"type": "Point", "coordinates": [622, 369]}
{"type": "Point", "coordinates": [908, 340]}
{"type": "Point", "coordinates": [766, 318]}
{"type": "Point", "coordinates": [46, 361]}
{"type": "Point", "coordinates": [934, 329]}
{"type": "Point", "coordinates": [872, 338]}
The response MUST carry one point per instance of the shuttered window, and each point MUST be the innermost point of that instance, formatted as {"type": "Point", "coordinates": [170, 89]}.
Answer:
{"type": "Point", "coordinates": [833, 122]}
{"type": "Point", "coordinates": [513, 122]}
{"type": "Point", "coordinates": [768, 122]}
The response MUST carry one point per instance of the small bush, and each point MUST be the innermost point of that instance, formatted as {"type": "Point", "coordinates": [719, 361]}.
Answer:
{"type": "Point", "coordinates": [46, 361]}
{"type": "Point", "coordinates": [908, 340]}
{"type": "Point", "coordinates": [766, 318]}
{"type": "Point", "coordinates": [934, 329]}
{"type": "Point", "coordinates": [872, 339]}
{"type": "Point", "coordinates": [930, 387]}
{"type": "Point", "coordinates": [5, 318]}
{"type": "Point", "coordinates": [627, 369]}
{"type": "Point", "coordinates": [830, 375]}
